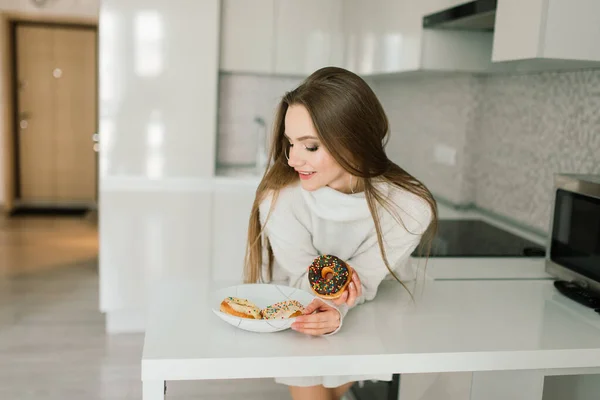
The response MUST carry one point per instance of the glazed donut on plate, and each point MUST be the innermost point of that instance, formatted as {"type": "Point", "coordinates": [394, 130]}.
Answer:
{"type": "Point", "coordinates": [240, 308]}
{"type": "Point", "coordinates": [283, 309]}
{"type": "Point", "coordinates": [329, 276]}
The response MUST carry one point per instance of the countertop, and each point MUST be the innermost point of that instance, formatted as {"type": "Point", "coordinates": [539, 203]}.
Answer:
{"type": "Point", "coordinates": [452, 326]}
{"type": "Point", "coordinates": [484, 268]}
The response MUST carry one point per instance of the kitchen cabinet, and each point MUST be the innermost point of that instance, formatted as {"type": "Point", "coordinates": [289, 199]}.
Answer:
{"type": "Point", "coordinates": [287, 37]}
{"type": "Point", "coordinates": [145, 237]}
{"type": "Point", "coordinates": [155, 153]}
{"type": "Point", "coordinates": [386, 36]}
{"type": "Point", "coordinates": [247, 36]}
{"type": "Point", "coordinates": [547, 29]}
{"type": "Point", "coordinates": [362, 35]}
{"type": "Point", "coordinates": [308, 35]}
{"type": "Point", "coordinates": [231, 212]}
{"type": "Point", "coordinates": [377, 37]}
{"type": "Point", "coordinates": [283, 37]}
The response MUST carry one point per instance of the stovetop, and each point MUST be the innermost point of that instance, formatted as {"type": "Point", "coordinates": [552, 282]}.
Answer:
{"type": "Point", "coordinates": [477, 238]}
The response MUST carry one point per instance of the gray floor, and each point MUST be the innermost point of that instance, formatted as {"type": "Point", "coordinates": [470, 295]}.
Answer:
{"type": "Point", "coordinates": [52, 341]}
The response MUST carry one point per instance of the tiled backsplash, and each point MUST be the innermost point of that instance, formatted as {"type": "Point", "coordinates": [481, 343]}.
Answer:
{"type": "Point", "coordinates": [428, 114]}
{"type": "Point", "coordinates": [242, 98]}
{"type": "Point", "coordinates": [498, 139]}
{"type": "Point", "coordinates": [511, 133]}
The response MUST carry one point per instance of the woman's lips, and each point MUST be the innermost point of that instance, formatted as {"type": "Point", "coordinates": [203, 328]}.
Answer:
{"type": "Point", "coordinates": [306, 176]}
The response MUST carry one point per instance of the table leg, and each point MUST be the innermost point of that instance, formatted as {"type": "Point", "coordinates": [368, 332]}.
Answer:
{"type": "Point", "coordinates": [501, 385]}
{"type": "Point", "coordinates": [153, 390]}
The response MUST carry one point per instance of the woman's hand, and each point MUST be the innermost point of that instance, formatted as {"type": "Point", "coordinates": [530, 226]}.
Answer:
{"type": "Point", "coordinates": [325, 320]}
{"type": "Point", "coordinates": [352, 292]}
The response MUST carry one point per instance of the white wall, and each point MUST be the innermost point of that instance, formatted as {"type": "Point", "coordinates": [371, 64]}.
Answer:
{"type": "Point", "coordinates": [75, 8]}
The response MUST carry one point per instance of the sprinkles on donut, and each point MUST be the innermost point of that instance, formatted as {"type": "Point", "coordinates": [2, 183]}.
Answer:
{"type": "Point", "coordinates": [329, 276]}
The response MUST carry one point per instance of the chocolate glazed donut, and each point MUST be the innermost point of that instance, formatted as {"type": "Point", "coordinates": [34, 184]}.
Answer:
{"type": "Point", "coordinates": [329, 276]}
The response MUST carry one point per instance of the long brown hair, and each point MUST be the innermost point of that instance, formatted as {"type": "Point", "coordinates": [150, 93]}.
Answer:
{"type": "Point", "coordinates": [353, 127]}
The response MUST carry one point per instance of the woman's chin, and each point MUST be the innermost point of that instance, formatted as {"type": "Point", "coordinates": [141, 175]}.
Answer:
{"type": "Point", "coordinates": [309, 186]}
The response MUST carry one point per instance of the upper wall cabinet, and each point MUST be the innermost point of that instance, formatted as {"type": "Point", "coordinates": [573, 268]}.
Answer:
{"type": "Point", "coordinates": [286, 37]}
{"type": "Point", "coordinates": [296, 37]}
{"type": "Point", "coordinates": [308, 35]}
{"type": "Point", "coordinates": [378, 37]}
{"type": "Point", "coordinates": [547, 29]}
{"type": "Point", "coordinates": [247, 36]}
{"type": "Point", "coordinates": [386, 36]}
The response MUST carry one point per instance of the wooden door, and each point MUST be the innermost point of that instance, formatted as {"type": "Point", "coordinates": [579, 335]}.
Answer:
{"type": "Point", "coordinates": [56, 97]}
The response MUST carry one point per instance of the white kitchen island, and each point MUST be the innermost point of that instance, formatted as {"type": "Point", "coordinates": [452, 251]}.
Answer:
{"type": "Point", "coordinates": [191, 228]}
{"type": "Point", "coordinates": [511, 333]}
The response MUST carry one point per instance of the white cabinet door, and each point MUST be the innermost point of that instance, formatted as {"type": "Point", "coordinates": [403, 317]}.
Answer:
{"type": "Point", "coordinates": [547, 29]}
{"type": "Point", "coordinates": [231, 213]}
{"type": "Point", "coordinates": [399, 38]}
{"type": "Point", "coordinates": [378, 36]}
{"type": "Point", "coordinates": [308, 35]}
{"type": "Point", "coordinates": [518, 30]}
{"type": "Point", "coordinates": [247, 36]}
{"type": "Point", "coordinates": [573, 30]}
{"type": "Point", "coordinates": [359, 19]}
{"type": "Point", "coordinates": [148, 236]}
{"type": "Point", "coordinates": [365, 28]}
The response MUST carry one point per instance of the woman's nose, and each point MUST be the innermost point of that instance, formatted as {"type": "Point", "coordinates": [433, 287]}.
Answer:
{"type": "Point", "coordinates": [293, 160]}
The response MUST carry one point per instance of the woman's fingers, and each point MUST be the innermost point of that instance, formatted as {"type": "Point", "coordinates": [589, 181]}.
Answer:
{"type": "Point", "coordinates": [351, 294]}
{"type": "Point", "coordinates": [317, 324]}
{"type": "Point", "coordinates": [357, 282]}
{"type": "Point", "coordinates": [314, 325]}
{"type": "Point", "coordinates": [342, 299]}
{"type": "Point", "coordinates": [313, 306]}
{"type": "Point", "coordinates": [313, 318]}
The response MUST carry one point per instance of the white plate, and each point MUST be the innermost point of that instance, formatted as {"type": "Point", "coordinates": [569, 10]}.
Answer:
{"type": "Point", "coordinates": [262, 295]}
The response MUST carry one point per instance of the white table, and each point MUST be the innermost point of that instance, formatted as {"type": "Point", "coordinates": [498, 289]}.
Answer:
{"type": "Point", "coordinates": [523, 328]}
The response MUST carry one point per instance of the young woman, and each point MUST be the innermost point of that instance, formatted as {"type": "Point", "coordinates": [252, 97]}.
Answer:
{"type": "Point", "coordinates": [331, 189]}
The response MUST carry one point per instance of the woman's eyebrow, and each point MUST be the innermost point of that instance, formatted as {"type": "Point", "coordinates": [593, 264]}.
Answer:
{"type": "Point", "coordinates": [301, 138]}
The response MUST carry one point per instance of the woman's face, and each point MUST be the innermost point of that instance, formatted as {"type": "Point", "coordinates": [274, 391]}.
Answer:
{"type": "Point", "coordinates": [315, 166]}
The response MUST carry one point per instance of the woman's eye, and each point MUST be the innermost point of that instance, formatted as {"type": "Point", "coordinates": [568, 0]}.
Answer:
{"type": "Point", "coordinates": [313, 148]}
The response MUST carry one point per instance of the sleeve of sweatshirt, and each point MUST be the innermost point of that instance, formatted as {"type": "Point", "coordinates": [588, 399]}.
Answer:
{"type": "Point", "coordinates": [399, 243]}
{"type": "Point", "coordinates": [369, 265]}
{"type": "Point", "coordinates": [291, 241]}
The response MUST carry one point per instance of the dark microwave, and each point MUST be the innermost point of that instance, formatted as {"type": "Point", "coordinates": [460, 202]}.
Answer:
{"type": "Point", "coordinates": [574, 238]}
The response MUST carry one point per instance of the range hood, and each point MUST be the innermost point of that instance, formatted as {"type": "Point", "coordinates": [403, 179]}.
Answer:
{"type": "Point", "coordinates": [478, 15]}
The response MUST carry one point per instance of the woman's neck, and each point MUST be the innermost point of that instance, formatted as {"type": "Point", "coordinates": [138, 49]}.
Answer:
{"type": "Point", "coordinates": [348, 184]}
